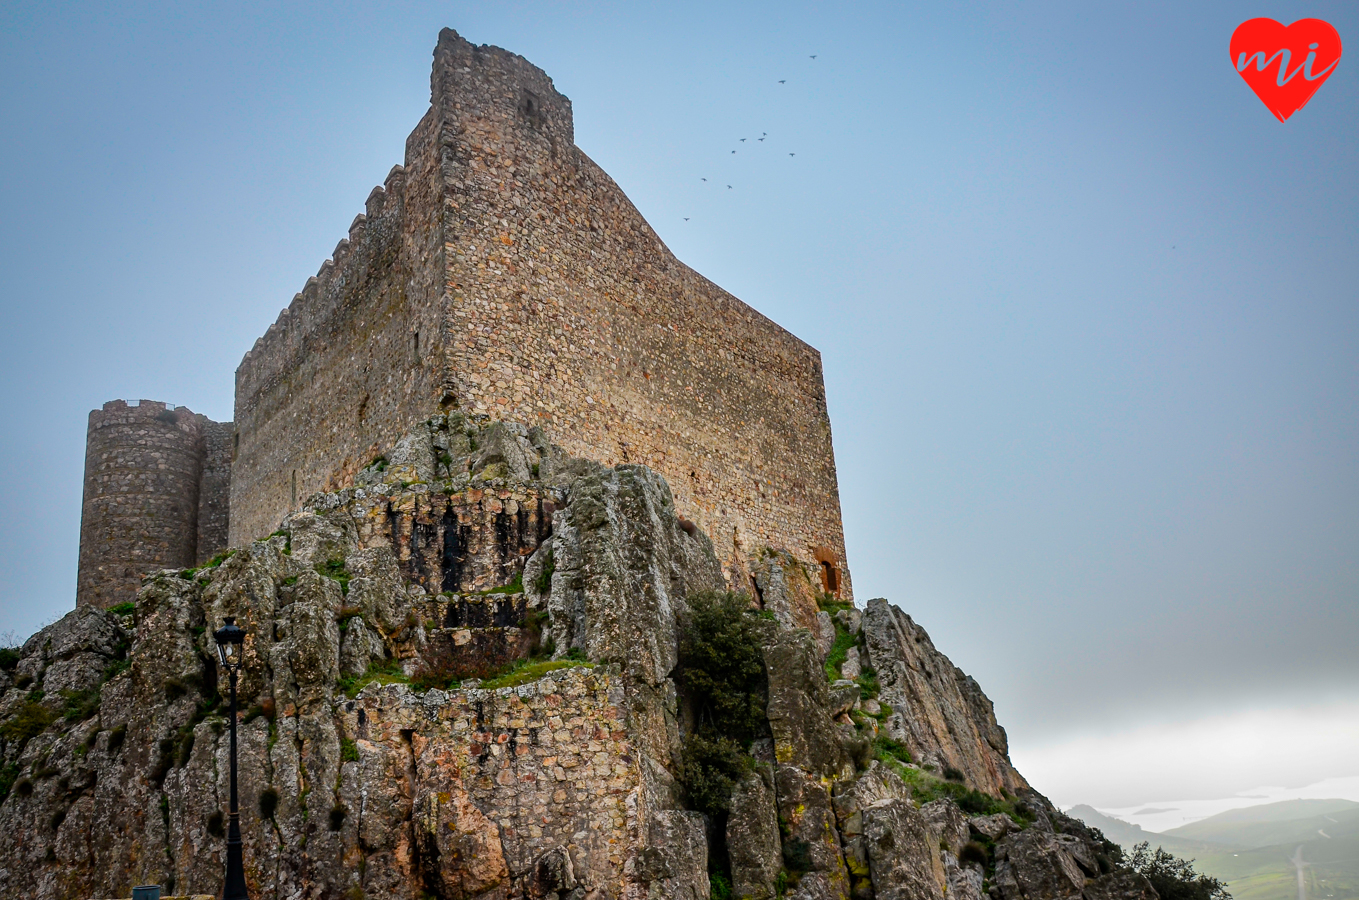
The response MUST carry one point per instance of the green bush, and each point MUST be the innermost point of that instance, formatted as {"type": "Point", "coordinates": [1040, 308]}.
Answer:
{"type": "Point", "coordinates": [8, 774]}
{"type": "Point", "coordinates": [1175, 878]}
{"type": "Point", "coordinates": [9, 658]}
{"type": "Point", "coordinates": [349, 751]}
{"type": "Point", "coordinates": [719, 886]}
{"type": "Point", "coordinates": [722, 677]}
{"type": "Point", "coordinates": [123, 609]}
{"type": "Point", "coordinates": [335, 569]}
{"type": "Point", "coordinates": [721, 669]}
{"type": "Point", "coordinates": [80, 705]}
{"type": "Point", "coordinates": [28, 722]}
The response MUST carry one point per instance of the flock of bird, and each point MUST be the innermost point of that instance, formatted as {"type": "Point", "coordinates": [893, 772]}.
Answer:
{"type": "Point", "coordinates": [762, 137]}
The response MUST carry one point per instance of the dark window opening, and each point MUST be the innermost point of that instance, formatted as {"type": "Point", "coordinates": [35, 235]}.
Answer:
{"type": "Point", "coordinates": [830, 578]}
{"type": "Point", "coordinates": [294, 490]}
{"type": "Point", "coordinates": [417, 343]}
{"type": "Point", "coordinates": [759, 594]}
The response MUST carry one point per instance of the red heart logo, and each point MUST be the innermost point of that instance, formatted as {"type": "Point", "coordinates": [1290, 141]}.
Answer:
{"type": "Point", "coordinates": [1285, 65]}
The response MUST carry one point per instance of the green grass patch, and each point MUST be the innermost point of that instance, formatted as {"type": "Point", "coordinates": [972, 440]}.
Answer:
{"type": "Point", "coordinates": [385, 672]}
{"type": "Point", "coordinates": [526, 671]}
{"type": "Point", "coordinates": [349, 751]}
{"type": "Point", "coordinates": [335, 569]}
{"type": "Point", "coordinates": [514, 587]}
{"type": "Point", "coordinates": [123, 609]}
{"type": "Point", "coordinates": [839, 650]}
{"type": "Point", "coordinates": [828, 603]}
{"type": "Point", "coordinates": [219, 559]}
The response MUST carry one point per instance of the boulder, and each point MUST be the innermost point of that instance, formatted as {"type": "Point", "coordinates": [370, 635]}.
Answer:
{"type": "Point", "coordinates": [948, 824]}
{"type": "Point", "coordinates": [1120, 886]}
{"type": "Point", "coordinates": [903, 860]}
{"type": "Point", "coordinates": [1033, 865]}
{"type": "Point", "coordinates": [812, 838]}
{"type": "Point", "coordinates": [799, 707]}
{"type": "Point", "coordinates": [753, 838]}
{"type": "Point", "coordinates": [993, 827]}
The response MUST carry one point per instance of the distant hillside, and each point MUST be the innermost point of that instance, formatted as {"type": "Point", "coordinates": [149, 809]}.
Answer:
{"type": "Point", "coordinates": [1126, 834]}
{"type": "Point", "coordinates": [1330, 850]}
{"type": "Point", "coordinates": [1264, 826]}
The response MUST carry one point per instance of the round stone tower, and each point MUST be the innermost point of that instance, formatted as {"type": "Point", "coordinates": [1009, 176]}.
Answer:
{"type": "Point", "coordinates": [143, 465]}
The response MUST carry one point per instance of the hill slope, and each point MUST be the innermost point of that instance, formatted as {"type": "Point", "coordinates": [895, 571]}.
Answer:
{"type": "Point", "coordinates": [1267, 825]}
{"type": "Point", "coordinates": [1331, 860]}
{"type": "Point", "coordinates": [1126, 834]}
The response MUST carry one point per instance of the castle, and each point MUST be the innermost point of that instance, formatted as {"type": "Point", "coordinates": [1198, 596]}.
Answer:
{"type": "Point", "coordinates": [499, 272]}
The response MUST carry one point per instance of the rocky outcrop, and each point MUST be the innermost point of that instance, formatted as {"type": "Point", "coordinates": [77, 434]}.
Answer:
{"type": "Point", "coordinates": [460, 682]}
{"type": "Point", "coordinates": [939, 712]}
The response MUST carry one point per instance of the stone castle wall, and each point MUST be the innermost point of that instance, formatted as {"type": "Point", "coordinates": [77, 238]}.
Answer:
{"type": "Point", "coordinates": [538, 294]}
{"type": "Point", "coordinates": [155, 496]}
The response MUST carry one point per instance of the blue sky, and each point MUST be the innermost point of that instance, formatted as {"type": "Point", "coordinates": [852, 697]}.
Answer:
{"type": "Point", "coordinates": [1087, 310]}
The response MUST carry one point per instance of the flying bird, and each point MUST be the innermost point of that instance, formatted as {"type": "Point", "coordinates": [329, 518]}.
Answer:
{"type": "Point", "coordinates": [792, 154]}
{"type": "Point", "coordinates": [703, 179]}
{"type": "Point", "coordinates": [728, 187]}
{"type": "Point", "coordinates": [759, 139]}
{"type": "Point", "coordinates": [743, 140]}
{"type": "Point", "coordinates": [686, 218]}
{"type": "Point", "coordinates": [783, 81]}
{"type": "Point", "coordinates": [813, 56]}
{"type": "Point", "coordinates": [733, 151]}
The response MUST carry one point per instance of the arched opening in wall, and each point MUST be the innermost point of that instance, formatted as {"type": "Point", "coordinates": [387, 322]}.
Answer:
{"type": "Point", "coordinates": [830, 572]}
{"type": "Point", "coordinates": [294, 488]}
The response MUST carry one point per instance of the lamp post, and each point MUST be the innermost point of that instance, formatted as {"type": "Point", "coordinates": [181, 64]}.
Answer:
{"type": "Point", "coordinates": [230, 640]}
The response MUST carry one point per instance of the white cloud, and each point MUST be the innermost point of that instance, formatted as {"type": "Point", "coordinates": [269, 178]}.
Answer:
{"type": "Point", "coordinates": [1205, 759]}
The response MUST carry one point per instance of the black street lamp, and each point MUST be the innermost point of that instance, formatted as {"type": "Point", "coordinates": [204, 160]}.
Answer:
{"type": "Point", "coordinates": [230, 640]}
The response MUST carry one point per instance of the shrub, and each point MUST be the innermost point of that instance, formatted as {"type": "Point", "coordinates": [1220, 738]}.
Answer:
{"type": "Point", "coordinates": [80, 705]}
{"type": "Point", "coordinates": [30, 721]}
{"type": "Point", "coordinates": [335, 569]}
{"type": "Point", "coordinates": [973, 852]}
{"type": "Point", "coordinates": [885, 747]}
{"type": "Point", "coordinates": [719, 886]}
{"type": "Point", "coordinates": [9, 658]}
{"type": "Point", "coordinates": [1175, 878]}
{"type": "Point", "coordinates": [953, 774]}
{"type": "Point", "coordinates": [124, 609]}
{"type": "Point", "coordinates": [349, 751]}
{"type": "Point", "coordinates": [721, 674]}
{"type": "Point", "coordinates": [712, 768]}
{"type": "Point", "coordinates": [7, 776]}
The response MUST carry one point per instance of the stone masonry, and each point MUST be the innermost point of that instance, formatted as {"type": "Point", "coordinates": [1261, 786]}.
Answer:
{"type": "Point", "coordinates": [502, 273]}
{"type": "Point", "coordinates": [156, 493]}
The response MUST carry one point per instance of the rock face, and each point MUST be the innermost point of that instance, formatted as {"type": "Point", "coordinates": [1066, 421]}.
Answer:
{"type": "Point", "coordinates": [939, 712]}
{"type": "Point", "coordinates": [459, 682]}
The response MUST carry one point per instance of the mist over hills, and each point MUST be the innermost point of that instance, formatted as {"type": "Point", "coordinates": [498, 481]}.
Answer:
{"type": "Point", "coordinates": [1254, 849]}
